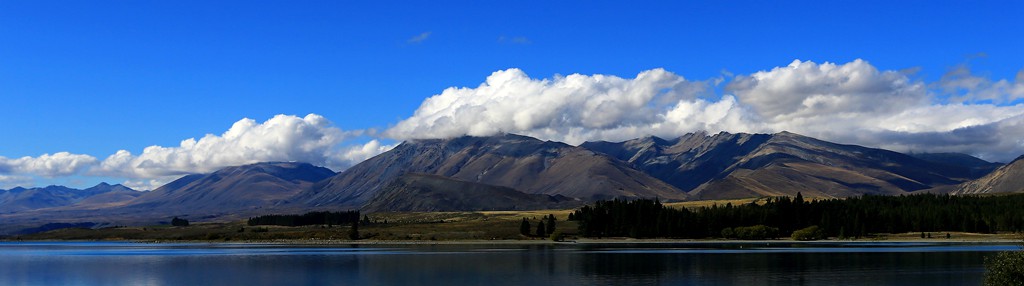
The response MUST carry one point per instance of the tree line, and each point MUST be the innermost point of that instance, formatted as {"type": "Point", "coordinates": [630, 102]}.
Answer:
{"type": "Point", "coordinates": [543, 230]}
{"type": "Point", "coordinates": [850, 217]}
{"type": "Point", "coordinates": [310, 218]}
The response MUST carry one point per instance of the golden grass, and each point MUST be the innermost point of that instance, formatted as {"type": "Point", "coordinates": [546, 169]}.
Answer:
{"type": "Point", "coordinates": [399, 226]}
{"type": "Point", "coordinates": [708, 203]}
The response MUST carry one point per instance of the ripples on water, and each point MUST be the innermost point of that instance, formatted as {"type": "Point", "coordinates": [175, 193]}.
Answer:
{"type": "Point", "coordinates": [74, 263]}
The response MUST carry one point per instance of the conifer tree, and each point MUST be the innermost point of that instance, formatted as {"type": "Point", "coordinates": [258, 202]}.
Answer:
{"type": "Point", "coordinates": [524, 227]}
{"type": "Point", "coordinates": [551, 224]}
{"type": "Point", "coordinates": [541, 230]}
{"type": "Point", "coordinates": [353, 233]}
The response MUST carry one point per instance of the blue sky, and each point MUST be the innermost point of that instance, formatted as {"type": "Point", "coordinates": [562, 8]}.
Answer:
{"type": "Point", "coordinates": [92, 78]}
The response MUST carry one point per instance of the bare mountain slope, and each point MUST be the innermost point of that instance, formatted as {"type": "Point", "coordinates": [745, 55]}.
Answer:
{"type": "Point", "coordinates": [1006, 179]}
{"type": "Point", "coordinates": [727, 165]}
{"type": "Point", "coordinates": [518, 162]}
{"type": "Point", "coordinates": [425, 193]}
{"type": "Point", "coordinates": [245, 187]}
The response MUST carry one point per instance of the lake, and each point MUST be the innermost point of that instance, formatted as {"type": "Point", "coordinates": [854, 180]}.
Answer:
{"type": "Point", "coordinates": [826, 263]}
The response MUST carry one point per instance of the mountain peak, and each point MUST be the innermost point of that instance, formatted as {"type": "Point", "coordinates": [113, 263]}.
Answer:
{"type": "Point", "coordinates": [514, 161]}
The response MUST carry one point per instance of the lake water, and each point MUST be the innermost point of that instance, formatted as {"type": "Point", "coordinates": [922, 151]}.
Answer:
{"type": "Point", "coordinates": [90, 263]}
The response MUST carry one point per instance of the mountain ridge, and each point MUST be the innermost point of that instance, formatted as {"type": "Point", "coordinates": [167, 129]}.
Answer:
{"type": "Point", "coordinates": [729, 166]}
{"type": "Point", "coordinates": [522, 163]}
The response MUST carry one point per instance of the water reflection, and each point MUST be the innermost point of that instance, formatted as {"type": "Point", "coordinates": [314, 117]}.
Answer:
{"type": "Point", "coordinates": [645, 264]}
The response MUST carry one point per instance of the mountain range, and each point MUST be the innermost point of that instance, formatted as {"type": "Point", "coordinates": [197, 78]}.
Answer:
{"type": "Point", "coordinates": [21, 199]}
{"type": "Point", "coordinates": [514, 172]}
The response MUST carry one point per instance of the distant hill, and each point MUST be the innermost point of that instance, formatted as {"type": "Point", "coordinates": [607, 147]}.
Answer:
{"type": "Point", "coordinates": [1006, 179]}
{"type": "Point", "coordinates": [107, 195]}
{"type": "Point", "coordinates": [725, 166]}
{"type": "Point", "coordinates": [522, 163]}
{"type": "Point", "coordinates": [420, 193]}
{"type": "Point", "coordinates": [22, 199]}
{"type": "Point", "coordinates": [230, 189]}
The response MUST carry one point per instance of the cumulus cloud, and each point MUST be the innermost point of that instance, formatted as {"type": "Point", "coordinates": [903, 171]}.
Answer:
{"type": "Point", "coordinates": [311, 139]}
{"type": "Point", "coordinates": [808, 90]}
{"type": "Point", "coordinates": [849, 103]}
{"type": "Point", "coordinates": [856, 103]}
{"type": "Point", "coordinates": [47, 165]}
{"type": "Point", "coordinates": [571, 108]}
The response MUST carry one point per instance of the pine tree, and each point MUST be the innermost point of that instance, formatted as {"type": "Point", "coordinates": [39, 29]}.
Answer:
{"type": "Point", "coordinates": [541, 230]}
{"type": "Point", "coordinates": [524, 227]}
{"type": "Point", "coordinates": [353, 233]}
{"type": "Point", "coordinates": [179, 222]}
{"type": "Point", "coordinates": [551, 224]}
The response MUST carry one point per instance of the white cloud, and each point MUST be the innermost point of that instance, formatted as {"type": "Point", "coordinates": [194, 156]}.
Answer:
{"type": "Point", "coordinates": [565, 108]}
{"type": "Point", "coordinates": [11, 181]}
{"type": "Point", "coordinates": [856, 103]}
{"type": "Point", "coordinates": [47, 165]}
{"type": "Point", "coordinates": [419, 38]}
{"type": "Point", "coordinates": [964, 86]}
{"type": "Point", "coordinates": [310, 139]}
{"type": "Point", "coordinates": [850, 103]}
{"type": "Point", "coordinates": [149, 184]}
{"type": "Point", "coordinates": [356, 154]}
{"type": "Point", "coordinates": [808, 90]}
{"type": "Point", "coordinates": [520, 40]}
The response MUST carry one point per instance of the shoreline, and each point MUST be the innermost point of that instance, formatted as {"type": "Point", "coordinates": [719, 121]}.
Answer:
{"type": "Point", "coordinates": [583, 241]}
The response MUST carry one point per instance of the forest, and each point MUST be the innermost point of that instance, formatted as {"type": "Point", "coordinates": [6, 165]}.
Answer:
{"type": "Point", "coordinates": [851, 217]}
{"type": "Point", "coordinates": [310, 218]}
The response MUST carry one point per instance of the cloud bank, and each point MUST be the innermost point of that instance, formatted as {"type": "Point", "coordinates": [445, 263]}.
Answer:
{"type": "Point", "coordinates": [46, 165]}
{"type": "Point", "coordinates": [853, 103]}
{"type": "Point", "coordinates": [312, 139]}
{"type": "Point", "coordinates": [850, 103]}
{"type": "Point", "coordinates": [574, 108]}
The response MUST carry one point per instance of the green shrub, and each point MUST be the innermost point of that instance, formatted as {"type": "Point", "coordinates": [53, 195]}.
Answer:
{"type": "Point", "coordinates": [1005, 268]}
{"type": "Point", "coordinates": [556, 236]}
{"type": "Point", "coordinates": [728, 233]}
{"type": "Point", "coordinates": [808, 233]}
{"type": "Point", "coordinates": [757, 232]}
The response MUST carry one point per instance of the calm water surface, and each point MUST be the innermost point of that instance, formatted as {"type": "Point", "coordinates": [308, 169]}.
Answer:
{"type": "Point", "coordinates": [88, 263]}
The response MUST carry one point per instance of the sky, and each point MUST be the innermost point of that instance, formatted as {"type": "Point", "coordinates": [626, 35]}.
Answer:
{"type": "Point", "coordinates": [142, 92]}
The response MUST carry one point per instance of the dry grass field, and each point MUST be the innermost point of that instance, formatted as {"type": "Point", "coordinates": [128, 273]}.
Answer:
{"type": "Point", "coordinates": [412, 226]}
